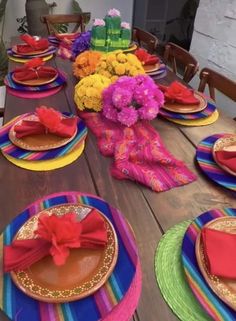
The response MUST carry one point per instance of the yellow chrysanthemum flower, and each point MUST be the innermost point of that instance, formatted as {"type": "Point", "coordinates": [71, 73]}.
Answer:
{"type": "Point", "coordinates": [120, 69]}
{"type": "Point", "coordinates": [121, 57]}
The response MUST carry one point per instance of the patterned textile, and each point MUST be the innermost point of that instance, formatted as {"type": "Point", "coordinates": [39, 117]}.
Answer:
{"type": "Point", "coordinates": [211, 303]}
{"type": "Point", "coordinates": [98, 306]}
{"type": "Point", "coordinates": [138, 153]}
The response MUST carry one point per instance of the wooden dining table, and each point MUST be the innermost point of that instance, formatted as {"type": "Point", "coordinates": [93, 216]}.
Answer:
{"type": "Point", "coordinates": [150, 214]}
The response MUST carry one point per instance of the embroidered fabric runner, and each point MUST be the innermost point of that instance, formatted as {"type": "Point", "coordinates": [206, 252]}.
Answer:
{"type": "Point", "coordinates": [138, 153]}
{"type": "Point", "coordinates": [115, 301]}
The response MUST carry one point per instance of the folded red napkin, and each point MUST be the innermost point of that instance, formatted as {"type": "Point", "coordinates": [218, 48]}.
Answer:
{"type": "Point", "coordinates": [34, 69]}
{"type": "Point", "coordinates": [227, 159]}
{"type": "Point", "coordinates": [32, 44]}
{"type": "Point", "coordinates": [49, 120]}
{"type": "Point", "coordinates": [67, 36]}
{"type": "Point", "coordinates": [145, 57]}
{"type": "Point", "coordinates": [55, 236]}
{"type": "Point", "coordinates": [219, 250]}
{"type": "Point", "coordinates": [178, 93]}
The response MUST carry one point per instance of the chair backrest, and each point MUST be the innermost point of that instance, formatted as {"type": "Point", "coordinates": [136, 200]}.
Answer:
{"type": "Point", "coordinates": [181, 59]}
{"type": "Point", "coordinates": [57, 19]}
{"type": "Point", "coordinates": [215, 80]}
{"type": "Point", "coordinates": [145, 39]}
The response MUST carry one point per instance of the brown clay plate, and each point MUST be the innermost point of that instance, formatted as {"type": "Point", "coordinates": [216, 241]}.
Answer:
{"type": "Point", "coordinates": [39, 142]}
{"type": "Point", "coordinates": [35, 82]}
{"type": "Point", "coordinates": [151, 68]}
{"type": "Point", "coordinates": [31, 53]}
{"type": "Point", "coordinates": [188, 109]}
{"type": "Point", "coordinates": [227, 143]}
{"type": "Point", "coordinates": [224, 288]}
{"type": "Point", "coordinates": [84, 272]}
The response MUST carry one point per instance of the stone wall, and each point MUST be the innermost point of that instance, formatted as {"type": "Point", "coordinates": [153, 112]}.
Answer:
{"type": "Point", "coordinates": [214, 41]}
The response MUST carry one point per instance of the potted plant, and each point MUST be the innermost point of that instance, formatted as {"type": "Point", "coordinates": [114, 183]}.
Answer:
{"type": "Point", "coordinates": [3, 54]}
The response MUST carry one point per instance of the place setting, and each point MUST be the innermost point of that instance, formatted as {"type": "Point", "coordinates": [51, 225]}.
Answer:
{"type": "Point", "coordinates": [31, 47]}
{"type": "Point", "coordinates": [194, 267]}
{"type": "Point", "coordinates": [152, 64]}
{"type": "Point", "coordinates": [34, 80]}
{"type": "Point", "coordinates": [186, 106]}
{"type": "Point", "coordinates": [43, 140]}
{"type": "Point", "coordinates": [69, 255]}
{"type": "Point", "coordinates": [216, 156]}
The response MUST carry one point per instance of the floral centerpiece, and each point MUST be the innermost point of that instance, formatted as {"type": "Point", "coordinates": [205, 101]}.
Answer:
{"type": "Point", "coordinates": [117, 63]}
{"type": "Point", "coordinates": [88, 92]}
{"type": "Point", "coordinates": [81, 44]}
{"type": "Point", "coordinates": [85, 64]}
{"type": "Point", "coordinates": [130, 99]}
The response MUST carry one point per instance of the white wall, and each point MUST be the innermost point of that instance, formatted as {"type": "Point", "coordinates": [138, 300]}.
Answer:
{"type": "Point", "coordinates": [214, 42]}
{"type": "Point", "coordinates": [98, 8]}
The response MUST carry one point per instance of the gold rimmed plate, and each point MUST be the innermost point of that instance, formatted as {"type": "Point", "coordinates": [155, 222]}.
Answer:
{"type": "Point", "coordinates": [226, 143]}
{"type": "Point", "coordinates": [151, 68]}
{"type": "Point", "coordinates": [84, 272]}
{"type": "Point", "coordinates": [188, 109]}
{"type": "Point", "coordinates": [35, 82]}
{"type": "Point", "coordinates": [224, 288]}
{"type": "Point", "coordinates": [39, 142]}
{"type": "Point", "coordinates": [31, 53]}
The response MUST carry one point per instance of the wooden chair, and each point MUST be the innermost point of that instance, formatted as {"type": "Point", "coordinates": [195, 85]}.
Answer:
{"type": "Point", "coordinates": [145, 39]}
{"type": "Point", "coordinates": [215, 80]}
{"type": "Point", "coordinates": [181, 60]}
{"type": "Point", "coordinates": [57, 19]}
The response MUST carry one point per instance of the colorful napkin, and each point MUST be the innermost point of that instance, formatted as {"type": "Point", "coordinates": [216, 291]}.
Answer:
{"type": "Point", "coordinates": [146, 58]}
{"type": "Point", "coordinates": [32, 44]}
{"type": "Point", "coordinates": [178, 93]}
{"type": "Point", "coordinates": [138, 153]}
{"type": "Point", "coordinates": [49, 120]}
{"type": "Point", "coordinates": [219, 251]}
{"type": "Point", "coordinates": [55, 236]}
{"type": "Point", "coordinates": [34, 69]}
{"type": "Point", "coordinates": [227, 158]}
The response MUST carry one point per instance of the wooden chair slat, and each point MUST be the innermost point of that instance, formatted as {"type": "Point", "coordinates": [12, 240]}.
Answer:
{"type": "Point", "coordinates": [145, 39]}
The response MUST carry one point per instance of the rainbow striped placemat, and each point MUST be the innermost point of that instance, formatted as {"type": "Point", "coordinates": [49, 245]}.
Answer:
{"type": "Point", "coordinates": [216, 308]}
{"type": "Point", "coordinates": [8, 148]}
{"type": "Point", "coordinates": [202, 114]}
{"type": "Point", "coordinates": [208, 165]}
{"type": "Point", "coordinates": [103, 303]}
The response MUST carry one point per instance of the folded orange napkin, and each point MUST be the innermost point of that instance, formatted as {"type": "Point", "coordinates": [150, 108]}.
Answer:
{"type": "Point", "coordinates": [227, 159]}
{"type": "Point", "coordinates": [55, 236]}
{"type": "Point", "coordinates": [32, 44]}
{"type": "Point", "coordinates": [219, 251]}
{"type": "Point", "coordinates": [145, 57]}
{"type": "Point", "coordinates": [34, 69]}
{"type": "Point", "coordinates": [178, 93]}
{"type": "Point", "coordinates": [49, 120]}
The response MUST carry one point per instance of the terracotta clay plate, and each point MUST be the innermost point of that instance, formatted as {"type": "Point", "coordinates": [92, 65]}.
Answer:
{"type": "Point", "coordinates": [31, 53]}
{"type": "Point", "coordinates": [224, 288]}
{"type": "Point", "coordinates": [227, 143]}
{"type": "Point", "coordinates": [151, 68]}
{"type": "Point", "coordinates": [39, 142]}
{"type": "Point", "coordinates": [84, 272]}
{"type": "Point", "coordinates": [187, 109]}
{"type": "Point", "coordinates": [35, 82]}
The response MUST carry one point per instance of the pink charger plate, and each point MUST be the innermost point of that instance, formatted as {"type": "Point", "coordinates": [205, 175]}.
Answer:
{"type": "Point", "coordinates": [34, 95]}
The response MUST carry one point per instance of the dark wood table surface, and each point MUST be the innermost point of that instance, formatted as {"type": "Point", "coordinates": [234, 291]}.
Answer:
{"type": "Point", "coordinates": [150, 213]}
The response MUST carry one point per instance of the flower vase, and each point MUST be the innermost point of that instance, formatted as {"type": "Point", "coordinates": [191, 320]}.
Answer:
{"type": "Point", "coordinates": [34, 10]}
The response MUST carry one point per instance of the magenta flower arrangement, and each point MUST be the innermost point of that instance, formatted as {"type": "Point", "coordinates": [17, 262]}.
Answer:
{"type": "Point", "coordinates": [130, 99]}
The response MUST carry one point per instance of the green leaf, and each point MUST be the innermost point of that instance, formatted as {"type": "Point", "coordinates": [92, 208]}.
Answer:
{"type": "Point", "coordinates": [76, 7]}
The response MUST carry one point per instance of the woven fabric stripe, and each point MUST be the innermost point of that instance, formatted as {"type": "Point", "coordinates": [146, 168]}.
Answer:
{"type": "Point", "coordinates": [10, 149]}
{"type": "Point", "coordinates": [90, 308]}
{"type": "Point", "coordinates": [202, 114]}
{"type": "Point", "coordinates": [208, 165]}
{"type": "Point", "coordinates": [60, 80]}
{"type": "Point", "coordinates": [218, 310]}
{"type": "Point", "coordinates": [51, 50]}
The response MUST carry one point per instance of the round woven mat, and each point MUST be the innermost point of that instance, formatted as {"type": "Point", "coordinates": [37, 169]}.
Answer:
{"type": "Point", "coordinates": [197, 122]}
{"type": "Point", "coordinates": [171, 279]}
